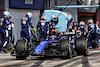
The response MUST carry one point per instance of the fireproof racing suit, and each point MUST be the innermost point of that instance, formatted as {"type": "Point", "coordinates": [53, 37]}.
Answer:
{"type": "Point", "coordinates": [92, 34]}
{"type": "Point", "coordinates": [25, 25]}
{"type": "Point", "coordinates": [70, 27]}
{"type": "Point", "coordinates": [3, 24]}
{"type": "Point", "coordinates": [83, 30]}
{"type": "Point", "coordinates": [43, 28]}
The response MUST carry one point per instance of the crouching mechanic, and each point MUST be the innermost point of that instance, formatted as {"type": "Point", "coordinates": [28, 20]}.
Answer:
{"type": "Point", "coordinates": [43, 28]}
{"type": "Point", "coordinates": [82, 29]}
{"type": "Point", "coordinates": [92, 34]}
{"type": "Point", "coordinates": [24, 24]}
{"type": "Point", "coordinates": [4, 22]}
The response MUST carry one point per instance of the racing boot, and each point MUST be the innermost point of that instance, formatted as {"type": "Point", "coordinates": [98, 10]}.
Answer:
{"type": "Point", "coordinates": [89, 45]}
{"type": "Point", "coordinates": [2, 52]}
{"type": "Point", "coordinates": [5, 50]}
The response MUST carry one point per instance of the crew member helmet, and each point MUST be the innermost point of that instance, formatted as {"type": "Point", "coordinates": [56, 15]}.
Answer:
{"type": "Point", "coordinates": [6, 13]}
{"type": "Point", "coordinates": [90, 21]}
{"type": "Point", "coordinates": [43, 17]}
{"type": "Point", "coordinates": [29, 14]}
{"type": "Point", "coordinates": [54, 17]}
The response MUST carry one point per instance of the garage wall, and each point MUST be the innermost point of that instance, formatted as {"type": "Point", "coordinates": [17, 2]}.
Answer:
{"type": "Point", "coordinates": [73, 11]}
{"type": "Point", "coordinates": [17, 14]}
{"type": "Point", "coordinates": [85, 18]}
{"type": "Point", "coordinates": [2, 7]}
{"type": "Point", "coordinates": [98, 14]}
{"type": "Point", "coordinates": [70, 10]}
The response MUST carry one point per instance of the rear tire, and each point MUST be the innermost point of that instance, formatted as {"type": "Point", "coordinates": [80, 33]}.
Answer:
{"type": "Point", "coordinates": [81, 46]}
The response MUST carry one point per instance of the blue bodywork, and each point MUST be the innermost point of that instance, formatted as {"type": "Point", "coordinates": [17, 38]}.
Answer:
{"type": "Point", "coordinates": [61, 26]}
{"type": "Point", "coordinates": [42, 45]}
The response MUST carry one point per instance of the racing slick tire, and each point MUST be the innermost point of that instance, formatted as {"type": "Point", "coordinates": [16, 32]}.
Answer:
{"type": "Point", "coordinates": [20, 50]}
{"type": "Point", "coordinates": [81, 46]}
{"type": "Point", "coordinates": [20, 46]}
{"type": "Point", "coordinates": [66, 48]}
{"type": "Point", "coordinates": [63, 44]}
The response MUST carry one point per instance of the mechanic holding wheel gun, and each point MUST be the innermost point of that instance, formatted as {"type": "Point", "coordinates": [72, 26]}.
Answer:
{"type": "Point", "coordinates": [4, 22]}
{"type": "Point", "coordinates": [92, 33]}
{"type": "Point", "coordinates": [24, 24]}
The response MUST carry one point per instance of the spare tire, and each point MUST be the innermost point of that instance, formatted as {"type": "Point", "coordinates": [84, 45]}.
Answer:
{"type": "Point", "coordinates": [81, 46]}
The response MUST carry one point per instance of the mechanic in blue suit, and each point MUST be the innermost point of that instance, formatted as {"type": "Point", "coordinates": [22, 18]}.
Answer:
{"type": "Point", "coordinates": [92, 32]}
{"type": "Point", "coordinates": [43, 28]}
{"type": "Point", "coordinates": [52, 26]}
{"type": "Point", "coordinates": [72, 27]}
{"type": "Point", "coordinates": [3, 24]}
{"type": "Point", "coordinates": [82, 27]}
{"type": "Point", "coordinates": [98, 29]}
{"type": "Point", "coordinates": [53, 22]}
{"type": "Point", "coordinates": [24, 24]}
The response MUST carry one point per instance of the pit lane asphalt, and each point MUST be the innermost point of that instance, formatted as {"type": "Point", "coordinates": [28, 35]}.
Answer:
{"type": "Point", "coordinates": [92, 60]}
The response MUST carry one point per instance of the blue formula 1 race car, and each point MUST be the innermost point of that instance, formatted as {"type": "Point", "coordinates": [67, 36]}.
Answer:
{"type": "Point", "coordinates": [57, 44]}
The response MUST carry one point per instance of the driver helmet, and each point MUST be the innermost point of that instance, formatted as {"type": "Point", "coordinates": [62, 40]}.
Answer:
{"type": "Point", "coordinates": [54, 32]}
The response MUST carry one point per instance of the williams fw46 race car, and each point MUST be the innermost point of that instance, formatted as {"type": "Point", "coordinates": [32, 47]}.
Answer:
{"type": "Point", "coordinates": [56, 45]}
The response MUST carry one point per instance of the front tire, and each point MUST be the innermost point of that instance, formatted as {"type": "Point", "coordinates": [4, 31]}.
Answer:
{"type": "Point", "coordinates": [66, 48]}
{"type": "Point", "coordinates": [21, 53]}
